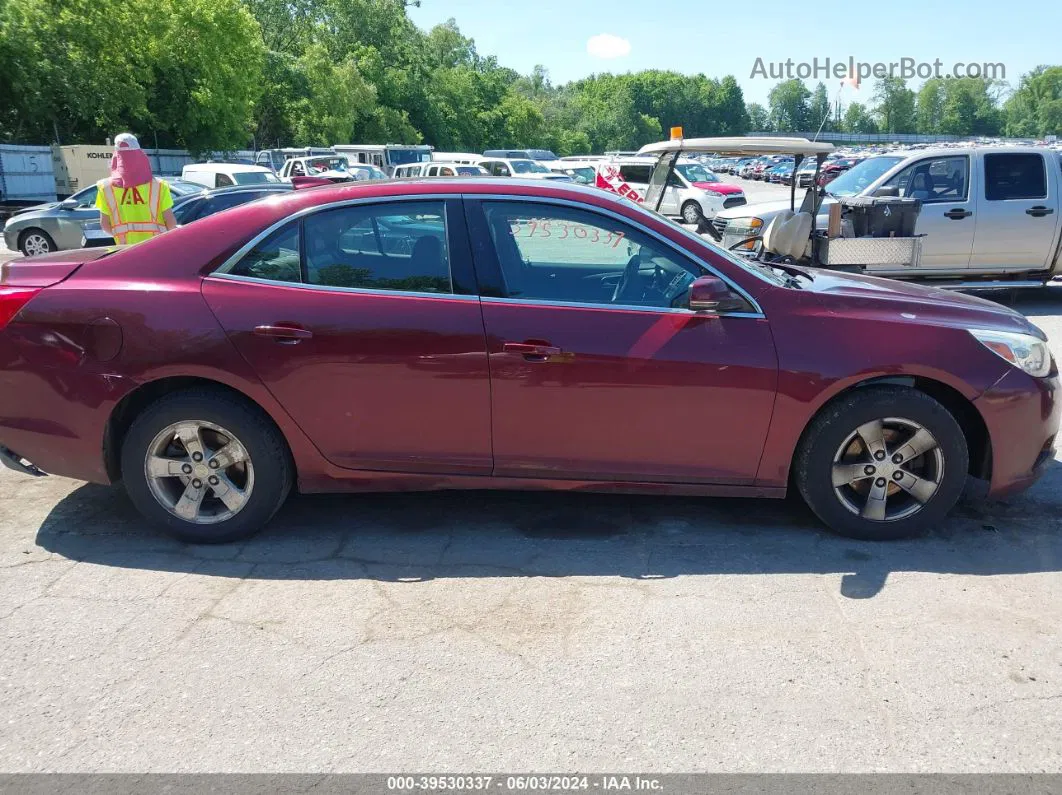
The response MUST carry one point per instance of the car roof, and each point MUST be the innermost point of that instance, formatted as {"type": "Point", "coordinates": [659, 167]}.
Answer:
{"type": "Point", "coordinates": [739, 145]}
{"type": "Point", "coordinates": [233, 168]}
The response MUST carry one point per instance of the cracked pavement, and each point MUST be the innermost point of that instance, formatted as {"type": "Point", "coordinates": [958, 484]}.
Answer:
{"type": "Point", "coordinates": [529, 632]}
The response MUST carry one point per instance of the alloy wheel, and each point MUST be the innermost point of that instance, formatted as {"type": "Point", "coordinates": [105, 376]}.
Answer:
{"type": "Point", "coordinates": [887, 470]}
{"type": "Point", "coordinates": [199, 472]}
{"type": "Point", "coordinates": [690, 214]}
{"type": "Point", "coordinates": [35, 244]}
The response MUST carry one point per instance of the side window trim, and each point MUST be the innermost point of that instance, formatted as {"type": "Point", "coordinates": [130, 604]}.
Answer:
{"type": "Point", "coordinates": [488, 268]}
{"type": "Point", "coordinates": [1043, 174]}
{"type": "Point", "coordinates": [462, 274]}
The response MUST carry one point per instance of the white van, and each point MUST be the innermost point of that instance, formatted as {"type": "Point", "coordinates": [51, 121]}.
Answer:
{"type": "Point", "coordinates": [464, 158]}
{"type": "Point", "coordinates": [694, 194]}
{"type": "Point", "coordinates": [410, 170]}
{"type": "Point", "coordinates": [224, 175]}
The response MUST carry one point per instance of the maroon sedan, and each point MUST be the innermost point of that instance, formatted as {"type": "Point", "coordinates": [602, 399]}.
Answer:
{"type": "Point", "coordinates": [475, 333]}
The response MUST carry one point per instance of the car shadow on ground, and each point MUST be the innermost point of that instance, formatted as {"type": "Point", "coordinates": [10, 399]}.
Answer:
{"type": "Point", "coordinates": [417, 537]}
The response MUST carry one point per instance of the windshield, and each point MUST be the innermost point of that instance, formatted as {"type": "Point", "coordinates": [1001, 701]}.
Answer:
{"type": "Point", "coordinates": [541, 154]}
{"type": "Point", "coordinates": [319, 164]}
{"type": "Point", "coordinates": [695, 172]}
{"type": "Point", "coordinates": [469, 171]}
{"type": "Point", "coordinates": [584, 175]}
{"type": "Point", "coordinates": [528, 167]}
{"type": "Point", "coordinates": [400, 157]}
{"type": "Point", "coordinates": [254, 177]}
{"type": "Point", "coordinates": [859, 177]}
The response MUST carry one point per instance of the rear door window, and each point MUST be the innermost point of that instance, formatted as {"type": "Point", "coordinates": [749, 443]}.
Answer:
{"type": "Point", "coordinates": [400, 246]}
{"type": "Point", "coordinates": [1015, 176]}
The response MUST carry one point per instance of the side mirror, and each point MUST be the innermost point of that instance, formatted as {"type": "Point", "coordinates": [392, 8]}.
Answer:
{"type": "Point", "coordinates": [68, 204]}
{"type": "Point", "coordinates": [889, 191]}
{"type": "Point", "coordinates": [711, 294]}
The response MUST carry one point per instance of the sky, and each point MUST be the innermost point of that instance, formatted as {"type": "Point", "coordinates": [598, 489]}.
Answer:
{"type": "Point", "coordinates": [630, 35]}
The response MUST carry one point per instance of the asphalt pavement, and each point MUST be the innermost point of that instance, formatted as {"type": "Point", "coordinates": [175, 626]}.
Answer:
{"type": "Point", "coordinates": [530, 632]}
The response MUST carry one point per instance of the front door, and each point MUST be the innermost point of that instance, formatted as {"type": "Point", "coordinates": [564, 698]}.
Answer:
{"type": "Point", "coordinates": [362, 323]}
{"type": "Point", "coordinates": [947, 219]}
{"type": "Point", "coordinates": [598, 369]}
{"type": "Point", "coordinates": [71, 223]}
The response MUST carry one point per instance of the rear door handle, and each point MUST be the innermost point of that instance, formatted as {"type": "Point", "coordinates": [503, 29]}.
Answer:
{"type": "Point", "coordinates": [957, 214]}
{"type": "Point", "coordinates": [532, 351]}
{"type": "Point", "coordinates": [285, 335]}
{"type": "Point", "coordinates": [1039, 211]}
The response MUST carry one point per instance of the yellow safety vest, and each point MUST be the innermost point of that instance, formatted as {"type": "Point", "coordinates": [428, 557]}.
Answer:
{"type": "Point", "coordinates": [134, 230]}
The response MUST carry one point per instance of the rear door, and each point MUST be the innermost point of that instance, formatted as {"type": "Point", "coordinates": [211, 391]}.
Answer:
{"type": "Point", "coordinates": [1017, 219]}
{"type": "Point", "coordinates": [362, 320]}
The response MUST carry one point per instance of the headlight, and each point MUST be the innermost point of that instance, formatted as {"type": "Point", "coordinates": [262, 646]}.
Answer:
{"type": "Point", "coordinates": [1024, 351]}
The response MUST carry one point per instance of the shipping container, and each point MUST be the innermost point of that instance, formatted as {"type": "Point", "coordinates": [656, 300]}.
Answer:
{"type": "Point", "coordinates": [26, 175]}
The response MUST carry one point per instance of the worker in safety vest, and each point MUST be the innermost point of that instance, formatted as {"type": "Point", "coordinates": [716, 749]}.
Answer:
{"type": "Point", "coordinates": [134, 205]}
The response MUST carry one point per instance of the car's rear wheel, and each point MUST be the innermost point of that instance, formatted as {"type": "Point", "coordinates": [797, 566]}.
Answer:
{"type": "Point", "coordinates": [882, 463]}
{"type": "Point", "coordinates": [206, 466]}
{"type": "Point", "coordinates": [34, 242]}
{"type": "Point", "coordinates": [691, 213]}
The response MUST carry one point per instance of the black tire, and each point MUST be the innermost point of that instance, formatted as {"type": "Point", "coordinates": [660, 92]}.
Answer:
{"type": "Point", "coordinates": [34, 232]}
{"type": "Point", "coordinates": [266, 448]}
{"type": "Point", "coordinates": [813, 465]}
{"type": "Point", "coordinates": [694, 217]}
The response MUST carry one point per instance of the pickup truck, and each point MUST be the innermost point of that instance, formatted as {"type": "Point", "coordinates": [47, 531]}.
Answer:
{"type": "Point", "coordinates": [987, 212]}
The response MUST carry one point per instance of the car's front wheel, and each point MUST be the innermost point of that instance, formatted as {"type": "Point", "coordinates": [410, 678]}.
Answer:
{"type": "Point", "coordinates": [34, 242]}
{"type": "Point", "coordinates": [882, 463]}
{"type": "Point", "coordinates": [691, 213]}
{"type": "Point", "coordinates": [205, 465]}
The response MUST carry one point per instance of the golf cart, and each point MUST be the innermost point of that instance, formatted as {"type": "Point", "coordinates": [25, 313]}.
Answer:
{"type": "Point", "coordinates": [861, 233]}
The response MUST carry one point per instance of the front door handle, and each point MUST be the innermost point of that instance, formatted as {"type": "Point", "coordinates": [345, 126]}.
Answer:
{"type": "Point", "coordinates": [1039, 211]}
{"type": "Point", "coordinates": [957, 214]}
{"type": "Point", "coordinates": [532, 351]}
{"type": "Point", "coordinates": [285, 335]}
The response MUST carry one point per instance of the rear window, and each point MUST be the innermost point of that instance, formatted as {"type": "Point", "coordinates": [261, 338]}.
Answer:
{"type": "Point", "coordinates": [254, 177]}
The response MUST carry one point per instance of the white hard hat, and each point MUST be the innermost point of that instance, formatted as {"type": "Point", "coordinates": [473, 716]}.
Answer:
{"type": "Point", "coordinates": [126, 141]}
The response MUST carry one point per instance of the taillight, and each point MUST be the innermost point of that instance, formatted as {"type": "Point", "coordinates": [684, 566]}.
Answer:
{"type": "Point", "coordinates": [12, 299]}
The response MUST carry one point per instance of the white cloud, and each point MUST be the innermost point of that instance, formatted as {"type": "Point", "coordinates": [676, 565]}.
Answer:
{"type": "Point", "coordinates": [605, 45]}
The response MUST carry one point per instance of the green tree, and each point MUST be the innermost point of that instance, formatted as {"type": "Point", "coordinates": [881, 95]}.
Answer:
{"type": "Point", "coordinates": [788, 102]}
{"type": "Point", "coordinates": [895, 106]}
{"type": "Point", "coordinates": [929, 107]}
{"type": "Point", "coordinates": [857, 119]}
{"type": "Point", "coordinates": [759, 118]}
{"type": "Point", "coordinates": [205, 86]}
{"type": "Point", "coordinates": [1033, 110]}
{"type": "Point", "coordinates": [969, 108]}
{"type": "Point", "coordinates": [820, 109]}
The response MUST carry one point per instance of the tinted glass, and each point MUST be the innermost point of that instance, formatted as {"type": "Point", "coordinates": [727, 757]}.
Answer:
{"type": "Point", "coordinates": [254, 178]}
{"type": "Point", "coordinates": [555, 253]}
{"type": "Point", "coordinates": [381, 247]}
{"type": "Point", "coordinates": [276, 258]}
{"type": "Point", "coordinates": [639, 173]}
{"type": "Point", "coordinates": [188, 211]}
{"type": "Point", "coordinates": [1015, 176]}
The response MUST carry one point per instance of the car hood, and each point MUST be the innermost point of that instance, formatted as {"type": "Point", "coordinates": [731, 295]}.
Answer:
{"type": "Point", "coordinates": [36, 211]}
{"type": "Point", "coordinates": [891, 299]}
{"type": "Point", "coordinates": [719, 187]}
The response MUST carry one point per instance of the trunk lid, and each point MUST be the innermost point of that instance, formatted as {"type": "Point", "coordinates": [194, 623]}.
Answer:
{"type": "Point", "coordinates": [48, 269]}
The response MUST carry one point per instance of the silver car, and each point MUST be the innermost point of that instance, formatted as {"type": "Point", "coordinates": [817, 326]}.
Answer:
{"type": "Point", "coordinates": [61, 225]}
